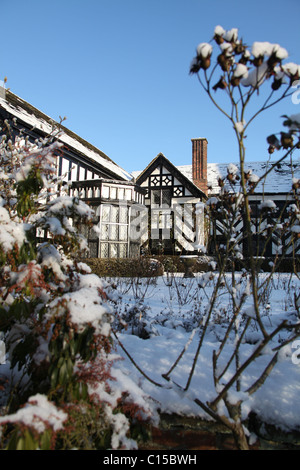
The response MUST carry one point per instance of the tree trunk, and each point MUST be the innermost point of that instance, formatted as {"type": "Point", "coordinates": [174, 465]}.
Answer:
{"type": "Point", "coordinates": [239, 437]}
{"type": "Point", "coordinates": [237, 426]}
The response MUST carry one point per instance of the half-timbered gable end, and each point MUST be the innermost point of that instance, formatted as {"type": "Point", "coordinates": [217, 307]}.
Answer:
{"type": "Point", "coordinates": [171, 199]}
{"type": "Point", "coordinates": [174, 188]}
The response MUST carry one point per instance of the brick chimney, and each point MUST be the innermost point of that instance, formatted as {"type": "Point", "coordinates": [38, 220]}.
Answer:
{"type": "Point", "coordinates": [199, 163]}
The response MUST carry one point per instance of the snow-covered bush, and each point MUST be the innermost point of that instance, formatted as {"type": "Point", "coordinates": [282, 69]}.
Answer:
{"type": "Point", "coordinates": [55, 316]}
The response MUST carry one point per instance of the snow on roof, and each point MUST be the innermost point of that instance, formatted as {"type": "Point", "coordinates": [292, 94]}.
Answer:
{"type": "Point", "coordinates": [278, 181]}
{"type": "Point", "coordinates": [38, 120]}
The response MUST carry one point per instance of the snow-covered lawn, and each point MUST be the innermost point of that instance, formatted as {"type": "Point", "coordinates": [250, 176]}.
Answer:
{"type": "Point", "coordinates": [170, 309]}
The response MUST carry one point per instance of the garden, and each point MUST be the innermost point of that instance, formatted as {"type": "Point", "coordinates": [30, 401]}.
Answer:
{"type": "Point", "coordinates": [91, 362]}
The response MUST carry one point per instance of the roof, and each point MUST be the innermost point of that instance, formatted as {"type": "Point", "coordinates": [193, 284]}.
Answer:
{"type": "Point", "coordinates": [278, 181]}
{"type": "Point", "coordinates": [31, 116]}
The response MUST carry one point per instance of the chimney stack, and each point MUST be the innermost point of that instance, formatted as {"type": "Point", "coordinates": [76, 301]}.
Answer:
{"type": "Point", "coordinates": [199, 163]}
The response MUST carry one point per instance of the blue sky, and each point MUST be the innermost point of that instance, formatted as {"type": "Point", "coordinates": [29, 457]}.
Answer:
{"type": "Point", "coordinates": [119, 70]}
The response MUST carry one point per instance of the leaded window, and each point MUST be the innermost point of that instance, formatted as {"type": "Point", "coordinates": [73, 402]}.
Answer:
{"type": "Point", "coordinates": [114, 226]}
{"type": "Point", "coordinates": [161, 197]}
{"type": "Point", "coordinates": [166, 197]}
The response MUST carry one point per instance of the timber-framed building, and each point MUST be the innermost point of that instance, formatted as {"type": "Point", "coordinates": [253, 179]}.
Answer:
{"type": "Point", "coordinates": [161, 208]}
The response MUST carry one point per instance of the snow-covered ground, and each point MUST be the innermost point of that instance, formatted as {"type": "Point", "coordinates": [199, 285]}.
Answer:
{"type": "Point", "coordinates": [163, 315]}
{"type": "Point", "coordinates": [170, 314]}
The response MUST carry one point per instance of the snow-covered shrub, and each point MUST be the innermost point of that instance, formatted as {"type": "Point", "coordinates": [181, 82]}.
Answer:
{"type": "Point", "coordinates": [55, 314]}
{"type": "Point", "coordinates": [136, 321]}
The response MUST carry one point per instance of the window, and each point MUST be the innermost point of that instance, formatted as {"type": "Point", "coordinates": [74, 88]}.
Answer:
{"type": "Point", "coordinates": [113, 192]}
{"type": "Point", "coordinates": [114, 223]}
{"type": "Point", "coordinates": [110, 235]}
{"type": "Point", "coordinates": [166, 197]}
{"type": "Point", "coordinates": [161, 197]}
{"type": "Point", "coordinates": [113, 250]}
{"type": "Point", "coordinates": [155, 197]}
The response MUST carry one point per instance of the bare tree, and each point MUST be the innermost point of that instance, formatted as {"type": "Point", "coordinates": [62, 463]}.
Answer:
{"type": "Point", "coordinates": [243, 73]}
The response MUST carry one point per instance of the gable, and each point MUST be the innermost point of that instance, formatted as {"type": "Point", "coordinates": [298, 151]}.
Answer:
{"type": "Point", "coordinates": [161, 173]}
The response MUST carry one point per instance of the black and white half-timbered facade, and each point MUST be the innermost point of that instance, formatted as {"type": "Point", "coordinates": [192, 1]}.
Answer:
{"type": "Point", "coordinates": [159, 209]}
{"type": "Point", "coordinates": [91, 175]}
{"type": "Point", "coordinates": [174, 203]}
{"type": "Point", "coordinates": [270, 203]}
{"type": "Point", "coordinates": [179, 193]}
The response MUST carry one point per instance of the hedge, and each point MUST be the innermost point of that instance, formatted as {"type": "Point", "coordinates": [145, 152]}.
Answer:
{"type": "Point", "coordinates": [157, 265]}
{"type": "Point", "coordinates": [143, 266]}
